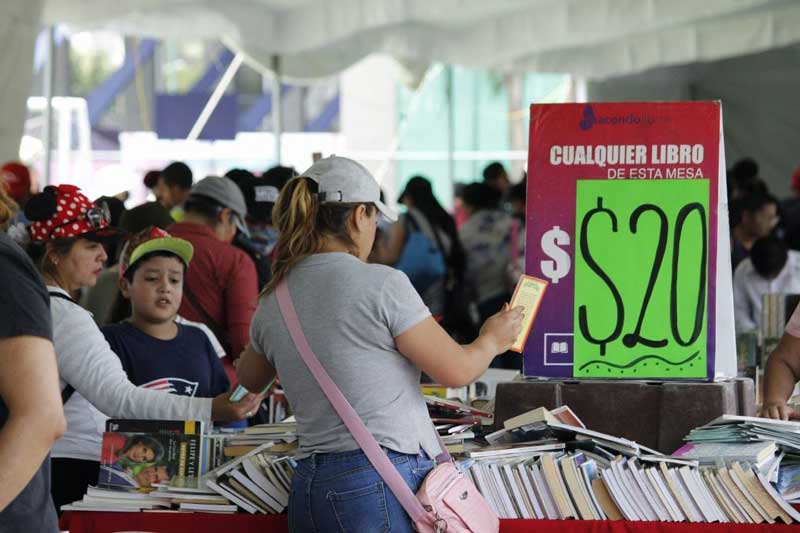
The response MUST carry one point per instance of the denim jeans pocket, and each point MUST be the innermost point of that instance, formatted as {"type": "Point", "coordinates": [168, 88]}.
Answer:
{"type": "Point", "coordinates": [421, 467]}
{"type": "Point", "coordinates": [362, 509]}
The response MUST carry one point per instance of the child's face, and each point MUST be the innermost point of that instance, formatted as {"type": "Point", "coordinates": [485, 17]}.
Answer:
{"type": "Point", "coordinates": [154, 474]}
{"type": "Point", "coordinates": [157, 289]}
{"type": "Point", "coordinates": [140, 453]}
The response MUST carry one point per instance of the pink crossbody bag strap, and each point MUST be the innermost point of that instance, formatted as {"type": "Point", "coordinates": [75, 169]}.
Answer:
{"type": "Point", "coordinates": [360, 433]}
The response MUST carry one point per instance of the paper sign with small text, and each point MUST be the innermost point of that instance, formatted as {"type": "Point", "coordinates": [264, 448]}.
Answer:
{"type": "Point", "coordinates": [626, 220]}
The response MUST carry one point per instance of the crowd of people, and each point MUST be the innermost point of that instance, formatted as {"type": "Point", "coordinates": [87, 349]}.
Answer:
{"type": "Point", "coordinates": [765, 257]}
{"type": "Point", "coordinates": [765, 242]}
{"type": "Point", "coordinates": [155, 311]}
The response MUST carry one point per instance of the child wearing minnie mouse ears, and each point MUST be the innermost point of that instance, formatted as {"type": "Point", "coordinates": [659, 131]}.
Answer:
{"type": "Point", "coordinates": [67, 236]}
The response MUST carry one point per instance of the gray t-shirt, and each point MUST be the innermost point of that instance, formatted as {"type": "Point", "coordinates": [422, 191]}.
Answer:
{"type": "Point", "coordinates": [351, 313]}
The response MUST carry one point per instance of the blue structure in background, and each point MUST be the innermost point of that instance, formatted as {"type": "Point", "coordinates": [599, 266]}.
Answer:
{"type": "Point", "coordinates": [208, 80]}
{"type": "Point", "coordinates": [102, 97]}
{"type": "Point", "coordinates": [251, 118]}
{"type": "Point", "coordinates": [325, 120]}
{"type": "Point", "coordinates": [176, 114]}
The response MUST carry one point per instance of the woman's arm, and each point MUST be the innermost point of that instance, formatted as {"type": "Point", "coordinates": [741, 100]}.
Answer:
{"type": "Point", "coordinates": [29, 388]}
{"type": "Point", "coordinates": [86, 362]}
{"type": "Point", "coordinates": [253, 371]}
{"type": "Point", "coordinates": [782, 372]}
{"type": "Point", "coordinates": [451, 364]}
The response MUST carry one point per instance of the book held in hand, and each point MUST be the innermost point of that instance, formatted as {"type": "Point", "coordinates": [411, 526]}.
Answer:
{"type": "Point", "coordinates": [528, 294]}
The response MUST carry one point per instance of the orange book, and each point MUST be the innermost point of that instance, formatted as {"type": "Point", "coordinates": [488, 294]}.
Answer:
{"type": "Point", "coordinates": [528, 294]}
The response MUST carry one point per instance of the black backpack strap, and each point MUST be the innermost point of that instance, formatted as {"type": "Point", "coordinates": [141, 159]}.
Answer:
{"type": "Point", "coordinates": [54, 294]}
{"type": "Point", "coordinates": [69, 390]}
{"type": "Point", "coordinates": [410, 223]}
{"type": "Point", "coordinates": [212, 324]}
{"type": "Point", "coordinates": [67, 393]}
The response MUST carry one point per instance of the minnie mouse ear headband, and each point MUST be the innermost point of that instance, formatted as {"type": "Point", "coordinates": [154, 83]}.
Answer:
{"type": "Point", "coordinates": [63, 211]}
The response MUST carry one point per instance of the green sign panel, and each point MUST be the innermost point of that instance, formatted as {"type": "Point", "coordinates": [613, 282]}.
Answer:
{"type": "Point", "coordinates": [641, 275]}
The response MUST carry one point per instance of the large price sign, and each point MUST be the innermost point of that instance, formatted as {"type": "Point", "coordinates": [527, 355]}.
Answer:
{"type": "Point", "coordinates": [625, 220]}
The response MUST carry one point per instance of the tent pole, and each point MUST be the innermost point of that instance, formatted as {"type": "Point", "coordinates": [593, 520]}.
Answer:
{"type": "Point", "coordinates": [450, 129]}
{"type": "Point", "coordinates": [49, 84]}
{"type": "Point", "coordinates": [277, 107]}
{"type": "Point", "coordinates": [216, 96]}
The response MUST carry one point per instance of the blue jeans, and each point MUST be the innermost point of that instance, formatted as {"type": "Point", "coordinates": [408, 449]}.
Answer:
{"type": "Point", "coordinates": [342, 492]}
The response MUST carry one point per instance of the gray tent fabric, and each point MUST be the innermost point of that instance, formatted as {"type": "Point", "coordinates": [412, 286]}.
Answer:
{"type": "Point", "coordinates": [590, 38]}
{"type": "Point", "coordinates": [760, 108]}
{"type": "Point", "coordinates": [19, 26]}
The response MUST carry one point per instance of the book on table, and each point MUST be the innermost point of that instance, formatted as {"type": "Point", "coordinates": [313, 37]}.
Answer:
{"type": "Point", "coordinates": [139, 459]}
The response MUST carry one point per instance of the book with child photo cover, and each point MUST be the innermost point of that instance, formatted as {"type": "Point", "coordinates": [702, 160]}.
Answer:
{"type": "Point", "coordinates": [137, 460]}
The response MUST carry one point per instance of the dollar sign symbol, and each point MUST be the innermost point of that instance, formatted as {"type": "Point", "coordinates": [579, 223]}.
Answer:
{"type": "Point", "coordinates": [561, 263]}
{"type": "Point", "coordinates": [587, 256]}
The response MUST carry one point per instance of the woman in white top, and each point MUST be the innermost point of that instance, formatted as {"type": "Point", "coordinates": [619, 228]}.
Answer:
{"type": "Point", "coordinates": [67, 233]}
{"type": "Point", "coordinates": [372, 333]}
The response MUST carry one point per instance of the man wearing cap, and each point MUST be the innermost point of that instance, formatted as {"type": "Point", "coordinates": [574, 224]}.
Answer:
{"type": "Point", "coordinates": [221, 287]}
{"type": "Point", "coordinates": [260, 194]}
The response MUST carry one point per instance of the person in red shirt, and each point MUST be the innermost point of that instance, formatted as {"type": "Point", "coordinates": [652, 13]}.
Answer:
{"type": "Point", "coordinates": [221, 288]}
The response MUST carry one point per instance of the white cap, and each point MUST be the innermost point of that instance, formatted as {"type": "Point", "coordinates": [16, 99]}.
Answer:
{"type": "Point", "coordinates": [343, 181]}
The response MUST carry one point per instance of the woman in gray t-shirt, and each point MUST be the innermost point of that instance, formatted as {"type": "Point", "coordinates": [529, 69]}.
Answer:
{"type": "Point", "coordinates": [373, 335]}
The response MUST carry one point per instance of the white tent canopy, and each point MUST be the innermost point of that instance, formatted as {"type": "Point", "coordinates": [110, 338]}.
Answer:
{"type": "Point", "coordinates": [591, 38]}
{"type": "Point", "coordinates": [595, 39]}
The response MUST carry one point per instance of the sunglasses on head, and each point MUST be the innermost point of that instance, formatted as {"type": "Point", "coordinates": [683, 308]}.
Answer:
{"type": "Point", "coordinates": [96, 216]}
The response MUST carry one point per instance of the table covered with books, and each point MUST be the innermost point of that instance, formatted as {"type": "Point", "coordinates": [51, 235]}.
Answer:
{"type": "Point", "coordinates": [544, 468]}
{"type": "Point", "coordinates": [85, 522]}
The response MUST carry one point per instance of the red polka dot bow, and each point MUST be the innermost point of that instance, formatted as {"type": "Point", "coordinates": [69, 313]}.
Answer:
{"type": "Point", "coordinates": [73, 215]}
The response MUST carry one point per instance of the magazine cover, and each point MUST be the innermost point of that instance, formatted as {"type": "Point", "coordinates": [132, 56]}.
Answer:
{"type": "Point", "coordinates": [141, 460]}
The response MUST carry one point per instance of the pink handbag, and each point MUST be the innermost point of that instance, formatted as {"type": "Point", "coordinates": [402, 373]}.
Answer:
{"type": "Point", "coordinates": [447, 501]}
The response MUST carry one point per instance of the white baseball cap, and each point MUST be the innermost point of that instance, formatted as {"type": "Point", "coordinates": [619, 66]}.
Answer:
{"type": "Point", "coordinates": [341, 180]}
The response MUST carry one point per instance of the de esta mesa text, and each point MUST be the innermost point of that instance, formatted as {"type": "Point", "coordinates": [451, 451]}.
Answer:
{"type": "Point", "coordinates": [630, 161]}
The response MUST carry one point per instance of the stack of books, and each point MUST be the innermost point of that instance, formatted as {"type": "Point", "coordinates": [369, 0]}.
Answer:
{"type": "Point", "coordinates": [162, 465]}
{"type": "Point", "coordinates": [235, 443]}
{"type": "Point", "coordinates": [546, 464]}
{"type": "Point", "coordinates": [542, 464]}
{"type": "Point", "coordinates": [570, 486]}
{"type": "Point", "coordinates": [162, 499]}
{"type": "Point", "coordinates": [743, 429]}
{"type": "Point", "coordinates": [257, 482]}
{"type": "Point", "coordinates": [457, 424]}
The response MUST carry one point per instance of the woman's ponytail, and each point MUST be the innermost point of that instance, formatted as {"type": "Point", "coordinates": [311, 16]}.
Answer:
{"type": "Point", "coordinates": [8, 208]}
{"type": "Point", "coordinates": [295, 218]}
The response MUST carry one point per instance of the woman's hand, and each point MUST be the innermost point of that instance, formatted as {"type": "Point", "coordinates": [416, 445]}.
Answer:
{"type": "Point", "coordinates": [777, 411]}
{"type": "Point", "coordinates": [224, 410]}
{"type": "Point", "coordinates": [501, 329]}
